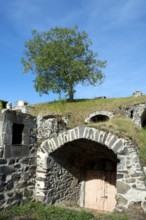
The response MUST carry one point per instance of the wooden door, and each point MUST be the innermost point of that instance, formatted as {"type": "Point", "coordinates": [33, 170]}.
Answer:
{"type": "Point", "coordinates": [100, 190]}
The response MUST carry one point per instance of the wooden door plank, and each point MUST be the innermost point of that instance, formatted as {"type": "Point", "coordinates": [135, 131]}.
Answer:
{"type": "Point", "coordinates": [99, 192]}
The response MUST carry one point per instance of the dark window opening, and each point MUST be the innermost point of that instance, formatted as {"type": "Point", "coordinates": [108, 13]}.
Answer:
{"type": "Point", "coordinates": [131, 113]}
{"type": "Point", "coordinates": [17, 133]}
{"type": "Point", "coordinates": [99, 118]}
{"type": "Point", "coordinates": [143, 120]}
{"type": "Point", "coordinates": [144, 124]}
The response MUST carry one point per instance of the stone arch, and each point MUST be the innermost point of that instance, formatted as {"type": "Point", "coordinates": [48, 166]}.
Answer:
{"type": "Point", "coordinates": [99, 116]}
{"type": "Point", "coordinates": [128, 169]}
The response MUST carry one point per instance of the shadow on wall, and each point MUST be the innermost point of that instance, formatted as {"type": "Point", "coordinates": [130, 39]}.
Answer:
{"type": "Point", "coordinates": [143, 119]}
{"type": "Point", "coordinates": [81, 155]}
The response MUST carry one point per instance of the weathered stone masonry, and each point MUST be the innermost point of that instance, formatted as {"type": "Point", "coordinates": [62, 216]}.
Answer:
{"type": "Point", "coordinates": [130, 177]}
{"type": "Point", "coordinates": [53, 172]}
{"type": "Point", "coordinates": [17, 160]}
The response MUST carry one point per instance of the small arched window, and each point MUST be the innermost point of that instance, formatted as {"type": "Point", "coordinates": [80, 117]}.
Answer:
{"type": "Point", "coordinates": [99, 118]}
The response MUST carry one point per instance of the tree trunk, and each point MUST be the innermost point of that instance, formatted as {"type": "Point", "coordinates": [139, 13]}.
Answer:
{"type": "Point", "coordinates": [71, 94]}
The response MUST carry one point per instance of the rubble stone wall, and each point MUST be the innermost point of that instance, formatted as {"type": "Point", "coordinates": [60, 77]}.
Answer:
{"type": "Point", "coordinates": [130, 175]}
{"type": "Point", "coordinates": [17, 162]}
{"type": "Point", "coordinates": [30, 170]}
{"type": "Point", "coordinates": [135, 112]}
{"type": "Point", "coordinates": [61, 186]}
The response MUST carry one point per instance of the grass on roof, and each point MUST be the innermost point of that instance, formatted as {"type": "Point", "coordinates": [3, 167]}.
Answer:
{"type": "Point", "coordinates": [78, 110]}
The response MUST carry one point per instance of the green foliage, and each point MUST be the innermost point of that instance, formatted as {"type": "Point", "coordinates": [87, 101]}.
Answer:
{"type": "Point", "coordinates": [80, 109]}
{"type": "Point", "coordinates": [37, 211]}
{"type": "Point", "coordinates": [1, 105]}
{"type": "Point", "coordinates": [61, 59]}
{"type": "Point", "coordinates": [141, 140]}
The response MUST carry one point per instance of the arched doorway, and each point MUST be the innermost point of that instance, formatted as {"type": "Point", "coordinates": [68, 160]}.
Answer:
{"type": "Point", "coordinates": [90, 164]}
{"type": "Point", "coordinates": [83, 160]}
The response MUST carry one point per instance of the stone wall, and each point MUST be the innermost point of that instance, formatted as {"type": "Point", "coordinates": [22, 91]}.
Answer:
{"type": "Point", "coordinates": [108, 114]}
{"type": "Point", "coordinates": [18, 156]}
{"type": "Point", "coordinates": [130, 178]}
{"type": "Point", "coordinates": [42, 173]}
{"type": "Point", "coordinates": [130, 175]}
{"type": "Point", "coordinates": [61, 185]}
{"type": "Point", "coordinates": [49, 126]}
{"type": "Point", "coordinates": [135, 112]}
{"type": "Point", "coordinates": [17, 161]}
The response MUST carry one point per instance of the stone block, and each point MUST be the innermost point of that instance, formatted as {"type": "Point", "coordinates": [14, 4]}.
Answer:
{"type": "Point", "coordinates": [28, 193]}
{"type": "Point", "coordinates": [120, 176]}
{"type": "Point", "coordinates": [7, 139]}
{"type": "Point", "coordinates": [122, 187]}
{"type": "Point", "coordinates": [3, 161]}
{"type": "Point", "coordinates": [11, 161]}
{"type": "Point", "coordinates": [16, 176]}
{"type": "Point", "coordinates": [9, 185]}
{"type": "Point", "coordinates": [16, 151]}
{"type": "Point", "coordinates": [1, 196]}
{"type": "Point", "coordinates": [121, 200]}
{"type": "Point", "coordinates": [131, 180]}
{"type": "Point", "coordinates": [6, 170]}
{"type": "Point", "coordinates": [2, 178]}
{"type": "Point", "coordinates": [124, 152]}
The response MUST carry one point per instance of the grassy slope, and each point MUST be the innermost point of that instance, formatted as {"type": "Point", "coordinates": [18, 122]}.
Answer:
{"type": "Point", "coordinates": [37, 211]}
{"type": "Point", "coordinates": [80, 109]}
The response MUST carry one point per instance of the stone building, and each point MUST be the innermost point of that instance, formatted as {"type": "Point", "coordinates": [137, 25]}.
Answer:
{"type": "Point", "coordinates": [137, 94]}
{"type": "Point", "coordinates": [137, 113]}
{"type": "Point", "coordinates": [40, 159]}
{"type": "Point", "coordinates": [17, 157]}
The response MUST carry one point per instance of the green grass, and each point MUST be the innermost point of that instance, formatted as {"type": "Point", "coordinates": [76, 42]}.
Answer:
{"type": "Point", "coordinates": [124, 127]}
{"type": "Point", "coordinates": [37, 211]}
{"type": "Point", "coordinates": [80, 109]}
{"type": "Point", "coordinates": [1, 105]}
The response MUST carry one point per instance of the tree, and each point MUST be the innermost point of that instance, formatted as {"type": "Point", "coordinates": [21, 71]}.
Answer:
{"type": "Point", "coordinates": [61, 59]}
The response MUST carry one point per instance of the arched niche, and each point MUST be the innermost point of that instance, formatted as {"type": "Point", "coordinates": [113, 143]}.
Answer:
{"type": "Point", "coordinates": [99, 116]}
{"type": "Point", "coordinates": [143, 119]}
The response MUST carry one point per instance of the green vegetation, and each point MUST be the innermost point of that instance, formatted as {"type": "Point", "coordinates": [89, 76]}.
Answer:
{"type": "Point", "coordinates": [37, 211]}
{"type": "Point", "coordinates": [125, 127]}
{"type": "Point", "coordinates": [80, 109]}
{"type": "Point", "coordinates": [85, 106]}
{"type": "Point", "coordinates": [61, 59]}
{"type": "Point", "coordinates": [1, 105]}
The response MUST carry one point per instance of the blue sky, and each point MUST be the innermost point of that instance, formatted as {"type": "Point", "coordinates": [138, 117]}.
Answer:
{"type": "Point", "coordinates": [117, 29]}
